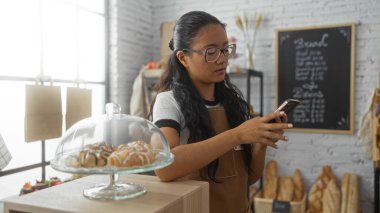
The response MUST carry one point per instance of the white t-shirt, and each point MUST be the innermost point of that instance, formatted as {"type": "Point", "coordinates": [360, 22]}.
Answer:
{"type": "Point", "coordinates": [167, 113]}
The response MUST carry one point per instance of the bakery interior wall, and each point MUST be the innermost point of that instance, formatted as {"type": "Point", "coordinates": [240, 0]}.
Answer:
{"type": "Point", "coordinates": [135, 39]}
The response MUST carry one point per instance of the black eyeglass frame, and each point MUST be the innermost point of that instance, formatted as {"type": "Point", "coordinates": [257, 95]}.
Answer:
{"type": "Point", "coordinates": [204, 52]}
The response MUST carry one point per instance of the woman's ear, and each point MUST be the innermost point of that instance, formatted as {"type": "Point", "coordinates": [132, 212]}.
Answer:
{"type": "Point", "coordinates": [182, 58]}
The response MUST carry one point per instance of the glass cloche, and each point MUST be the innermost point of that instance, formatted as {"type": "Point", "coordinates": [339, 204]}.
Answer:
{"type": "Point", "coordinates": [113, 144]}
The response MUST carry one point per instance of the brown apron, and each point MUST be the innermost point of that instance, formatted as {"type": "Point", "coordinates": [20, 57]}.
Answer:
{"type": "Point", "coordinates": [231, 195]}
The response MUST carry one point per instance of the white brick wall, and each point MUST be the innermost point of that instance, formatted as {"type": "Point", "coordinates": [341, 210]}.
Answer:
{"type": "Point", "coordinates": [307, 151]}
{"type": "Point", "coordinates": [131, 42]}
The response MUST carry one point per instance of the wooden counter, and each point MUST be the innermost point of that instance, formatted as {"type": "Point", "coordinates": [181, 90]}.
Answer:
{"type": "Point", "coordinates": [174, 197]}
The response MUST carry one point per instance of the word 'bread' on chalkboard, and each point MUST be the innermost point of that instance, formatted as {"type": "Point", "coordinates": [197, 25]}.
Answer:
{"type": "Point", "coordinates": [316, 66]}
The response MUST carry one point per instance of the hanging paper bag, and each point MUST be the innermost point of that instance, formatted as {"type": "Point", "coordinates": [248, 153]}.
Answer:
{"type": "Point", "coordinates": [43, 112]}
{"type": "Point", "coordinates": [78, 105]}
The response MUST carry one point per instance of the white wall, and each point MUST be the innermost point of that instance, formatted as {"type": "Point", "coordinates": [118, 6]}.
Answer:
{"type": "Point", "coordinates": [307, 151]}
{"type": "Point", "coordinates": [131, 42]}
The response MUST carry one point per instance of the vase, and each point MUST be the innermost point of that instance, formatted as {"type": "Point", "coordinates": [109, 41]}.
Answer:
{"type": "Point", "coordinates": [249, 59]}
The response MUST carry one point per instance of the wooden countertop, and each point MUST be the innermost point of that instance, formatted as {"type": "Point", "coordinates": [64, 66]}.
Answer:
{"type": "Point", "coordinates": [179, 196]}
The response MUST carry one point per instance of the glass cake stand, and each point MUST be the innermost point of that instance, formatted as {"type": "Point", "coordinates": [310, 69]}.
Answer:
{"type": "Point", "coordinates": [114, 190]}
{"type": "Point", "coordinates": [114, 129]}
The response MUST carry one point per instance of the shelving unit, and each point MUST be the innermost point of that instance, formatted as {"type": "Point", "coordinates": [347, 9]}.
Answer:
{"type": "Point", "coordinates": [376, 147]}
{"type": "Point", "coordinates": [250, 74]}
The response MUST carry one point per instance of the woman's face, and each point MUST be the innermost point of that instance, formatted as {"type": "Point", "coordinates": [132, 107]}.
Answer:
{"type": "Point", "coordinates": [200, 71]}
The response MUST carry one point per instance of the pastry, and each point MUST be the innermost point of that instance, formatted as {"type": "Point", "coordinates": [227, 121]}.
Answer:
{"type": "Point", "coordinates": [140, 146]}
{"type": "Point", "coordinates": [133, 154]}
{"type": "Point", "coordinates": [95, 155]}
{"type": "Point", "coordinates": [27, 188]}
{"type": "Point", "coordinates": [40, 185]}
{"type": "Point", "coordinates": [101, 147]}
{"type": "Point", "coordinates": [87, 158]}
{"type": "Point", "coordinates": [72, 161]}
{"type": "Point", "coordinates": [53, 181]}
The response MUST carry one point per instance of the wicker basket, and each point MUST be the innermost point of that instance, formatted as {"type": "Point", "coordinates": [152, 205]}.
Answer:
{"type": "Point", "coordinates": [263, 205]}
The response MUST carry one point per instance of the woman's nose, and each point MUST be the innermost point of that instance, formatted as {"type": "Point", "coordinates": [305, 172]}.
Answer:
{"type": "Point", "coordinates": [223, 57]}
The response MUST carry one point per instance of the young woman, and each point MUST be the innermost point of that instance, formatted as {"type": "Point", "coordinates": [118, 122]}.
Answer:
{"type": "Point", "coordinates": [205, 118]}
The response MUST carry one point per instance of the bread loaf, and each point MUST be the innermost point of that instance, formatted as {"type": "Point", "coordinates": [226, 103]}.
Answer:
{"type": "Point", "coordinates": [271, 170]}
{"type": "Point", "coordinates": [350, 193]}
{"type": "Point", "coordinates": [270, 188]}
{"type": "Point", "coordinates": [315, 197]}
{"type": "Point", "coordinates": [327, 175]}
{"type": "Point", "coordinates": [317, 190]}
{"type": "Point", "coordinates": [299, 189]}
{"type": "Point", "coordinates": [331, 198]}
{"type": "Point", "coordinates": [270, 180]}
{"type": "Point", "coordinates": [285, 189]}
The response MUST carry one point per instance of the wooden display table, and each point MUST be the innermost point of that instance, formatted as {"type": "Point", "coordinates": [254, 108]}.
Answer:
{"type": "Point", "coordinates": [180, 196]}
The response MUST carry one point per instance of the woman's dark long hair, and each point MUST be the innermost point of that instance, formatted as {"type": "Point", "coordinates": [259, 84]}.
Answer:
{"type": "Point", "coordinates": [192, 106]}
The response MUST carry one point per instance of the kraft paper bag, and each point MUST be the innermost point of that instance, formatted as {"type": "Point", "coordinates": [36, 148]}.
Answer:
{"type": "Point", "coordinates": [43, 112]}
{"type": "Point", "coordinates": [78, 105]}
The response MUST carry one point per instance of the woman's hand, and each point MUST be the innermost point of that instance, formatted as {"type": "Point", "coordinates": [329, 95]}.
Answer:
{"type": "Point", "coordinates": [259, 130]}
{"type": "Point", "coordinates": [283, 119]}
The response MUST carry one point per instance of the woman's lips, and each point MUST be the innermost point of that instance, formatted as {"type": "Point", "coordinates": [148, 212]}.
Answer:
{"type": "Point", "coordinates": [221, 70]}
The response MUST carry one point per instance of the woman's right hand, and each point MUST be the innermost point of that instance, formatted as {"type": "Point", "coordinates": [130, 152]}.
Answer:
{"type": "Point", "coordinates": [259, 130]}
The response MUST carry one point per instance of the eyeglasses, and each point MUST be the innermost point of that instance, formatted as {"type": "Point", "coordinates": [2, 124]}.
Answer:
{"type": "Point", "coordinates": [212, 54]}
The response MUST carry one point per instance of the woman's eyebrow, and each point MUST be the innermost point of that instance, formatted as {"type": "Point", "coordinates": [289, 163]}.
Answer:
{"type": "Point", "coordinates": [214, 45]}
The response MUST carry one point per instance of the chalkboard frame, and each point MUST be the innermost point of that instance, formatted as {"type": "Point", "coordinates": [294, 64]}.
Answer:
{"type": "Point", "coordinates": [352, 27]}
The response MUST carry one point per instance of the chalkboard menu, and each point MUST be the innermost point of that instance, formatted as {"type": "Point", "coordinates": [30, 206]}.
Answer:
{"type": "Point", "coordinates": [316, 66]}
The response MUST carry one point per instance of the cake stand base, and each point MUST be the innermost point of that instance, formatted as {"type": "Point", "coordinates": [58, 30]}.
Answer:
{"type": "Point", "coordinates": [114, 190]}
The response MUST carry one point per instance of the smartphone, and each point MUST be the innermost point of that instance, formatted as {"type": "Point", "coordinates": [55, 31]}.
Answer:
{"type": "Point", "coordinates": [287, 106]}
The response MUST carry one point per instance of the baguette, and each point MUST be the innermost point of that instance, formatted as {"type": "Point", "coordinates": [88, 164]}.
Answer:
{"type": "Point", "coordinates": [331, 198]}
{"type": "Point", "coordinates": [350, 193]}
{"type": "Point", "coordinates": [271, 170]}
{"type": "Point", "coordinates": [299, 189]}
{"type": "Point", "coordinates": [285, 189]}
{"type": "Point", "coordinates": [270, 188]}
{"type": "Point", "coordinates": [270, 180]}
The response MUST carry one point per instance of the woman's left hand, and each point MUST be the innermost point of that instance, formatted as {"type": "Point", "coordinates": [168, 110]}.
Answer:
{"type": "Point", "coordinates": [282, 119]}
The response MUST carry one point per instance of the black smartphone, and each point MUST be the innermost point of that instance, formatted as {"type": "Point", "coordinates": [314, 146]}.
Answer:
{"type": "Point", "coordinates": [287, 106]}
